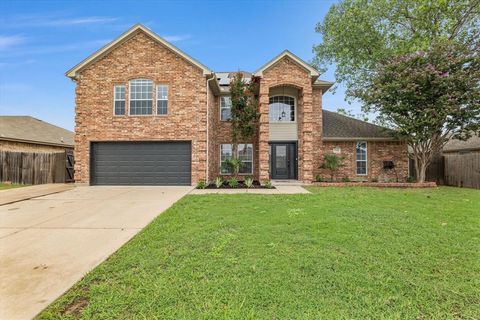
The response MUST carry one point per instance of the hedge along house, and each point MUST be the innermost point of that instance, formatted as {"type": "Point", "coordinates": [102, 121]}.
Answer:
{"type": "Point", "coordinates": [149, 114]}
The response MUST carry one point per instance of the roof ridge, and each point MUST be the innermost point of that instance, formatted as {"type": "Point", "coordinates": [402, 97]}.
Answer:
{"type": "Point", "coordinates": [138, 27]}
{"type": "Point", "coordinates": [358, 120]}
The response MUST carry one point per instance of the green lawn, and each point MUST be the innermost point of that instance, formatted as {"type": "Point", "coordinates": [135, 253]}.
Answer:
{"type": "Point", "coordinates": [4, 186]}
{"type": "Point", "coordinates": [339, 253]}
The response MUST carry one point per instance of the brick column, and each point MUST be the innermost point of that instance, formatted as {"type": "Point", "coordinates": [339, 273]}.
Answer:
{"type": "Point", "coordinates": [306, 146]}
{"type": "Point", "coordinates": [263, 137]}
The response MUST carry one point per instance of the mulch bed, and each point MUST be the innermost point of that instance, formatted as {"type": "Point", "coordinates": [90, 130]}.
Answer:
{"type": "Point", "coordinates": [241, 185]}
{"type": "Point", "coordinates": [377, 184]}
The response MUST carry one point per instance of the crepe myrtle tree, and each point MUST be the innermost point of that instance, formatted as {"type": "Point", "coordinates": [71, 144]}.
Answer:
{"type": "Point", "coordinates": [359, 34]}
{"type": "Point", "coordinates": [243, 116]}
{"type": "Point", "coordinates": [429, 97]}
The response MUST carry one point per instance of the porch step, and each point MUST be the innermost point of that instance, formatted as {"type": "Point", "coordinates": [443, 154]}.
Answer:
{"type": "Point", "coordinates": [287, 183]}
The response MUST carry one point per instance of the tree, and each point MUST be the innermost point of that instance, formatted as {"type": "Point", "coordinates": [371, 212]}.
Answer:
{"type": "Point", "coordinates": [359, 34]}
{"type": "Point", "coordinates": [332, 163]}
{"type": "Point", "coordinates": [349, 113]}
{"type": "Point", "coordinates": [243, 116]}
{"type": "Point", "coordinates": [428, 97]}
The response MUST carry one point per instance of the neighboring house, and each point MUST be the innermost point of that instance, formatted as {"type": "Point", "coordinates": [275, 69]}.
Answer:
{"type": "Point", "coordinates": [147, 113]}
{"type": "Point", "coordinates": [34, 152]}
{"type": "Point", "coordinates": [28, 134]}
{"type": "Point", "coordinates": [455, 146]}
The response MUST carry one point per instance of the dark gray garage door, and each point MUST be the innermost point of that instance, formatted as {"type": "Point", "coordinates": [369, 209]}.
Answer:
{"type": "Point", "coordinates": [141, 163]}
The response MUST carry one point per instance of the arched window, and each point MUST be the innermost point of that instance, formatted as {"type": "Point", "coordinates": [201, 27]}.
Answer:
{"type": "Point", "coordinates": [141, 96]}
{"type": "Point", "coordinates": [281, 109]}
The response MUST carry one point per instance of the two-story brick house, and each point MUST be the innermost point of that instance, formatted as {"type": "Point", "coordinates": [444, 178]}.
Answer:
{"type": "Point", "coordinates": [147, 113]}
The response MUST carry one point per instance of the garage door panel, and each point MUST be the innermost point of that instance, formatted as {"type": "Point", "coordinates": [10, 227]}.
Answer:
{"type": "Point", "coordinates": [141, 163]}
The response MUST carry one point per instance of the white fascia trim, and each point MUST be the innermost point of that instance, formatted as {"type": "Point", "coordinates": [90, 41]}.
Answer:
{"type": "Point", "coordinates": [105, 49]}
{"type": "Point", "coordinates": [286, 53]}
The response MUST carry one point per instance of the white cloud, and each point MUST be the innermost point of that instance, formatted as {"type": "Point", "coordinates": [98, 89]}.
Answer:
{"type": "Point", "coordinates": [17, 63]}
{"type": "Point", "coordinates": [14, 87]}
{"type": "Point", "coordinates": [54, 21]}
{"type": "Point", "coordinates": [176, 38]}
{"type": "Point", "coordinates": [6, 42]}
{"type": "Point", "coordinates": [78, 21]}
{"type": "Point", "coordinates": [56, 48]}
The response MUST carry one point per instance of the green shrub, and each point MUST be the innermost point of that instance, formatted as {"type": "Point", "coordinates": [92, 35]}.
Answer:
{"type": "Point", "coordinates": [319, 178]}
{"type": "Point", "coordinates": [410, 179]}
{"type": "Point", "coordinates": [332, 163]}
{"type": "Point", "coordinates": [201, 184]}
{"type": "Point", "coordinates": [345, 179]}
{"type": "Point", "coordinates": [232, 165]}
{"type": "Point", "coordinates": [233, 182]}
{"type": "Point", "coordinates": [268, 184]}
{"type": "Point", "coordinates": [375, 179]}
{"type": "Point", "coordinates": [218, 182]}
{"type": "Point", "coordinates": [249, 182]}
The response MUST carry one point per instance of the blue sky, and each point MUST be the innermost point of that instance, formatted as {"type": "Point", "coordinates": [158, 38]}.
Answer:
{"type": "Point", "coordinates": [41, 40]}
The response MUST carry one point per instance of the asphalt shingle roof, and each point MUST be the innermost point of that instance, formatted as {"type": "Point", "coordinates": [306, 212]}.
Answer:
{"type": "Point", "coordinates": [456, 145]}
{"type": "Point", "coordinates": [336, 125]}
{"type": "Point", "coordinates": [29, 129]}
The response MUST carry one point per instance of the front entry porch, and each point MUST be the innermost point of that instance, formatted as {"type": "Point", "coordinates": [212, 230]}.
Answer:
{"type": "Point", "coordinates": [283, 160]}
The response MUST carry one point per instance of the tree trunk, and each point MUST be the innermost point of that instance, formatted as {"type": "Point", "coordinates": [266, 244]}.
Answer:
{"type": "Point", "coordinates": [420, 168]}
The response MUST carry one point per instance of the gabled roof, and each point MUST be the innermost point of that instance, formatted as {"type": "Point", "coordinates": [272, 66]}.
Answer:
{"type": "Point", "coordinates": [325, 85]}
{"type": "Point", "coordinates": [286, 53]}
{"type": "Point", "coordinates": [458, 145]}
{"type": "Point", "coordinates": [126, 35]}
{"type": "Point", "coordinates": [32, 130]}
{"type": "Point", "coordinates": [339, 127]}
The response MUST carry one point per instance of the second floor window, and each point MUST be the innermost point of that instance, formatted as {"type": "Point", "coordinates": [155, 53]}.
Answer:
{"type": "Point", "coordinates": [141, 97]}
{"type": "Point", "coordinates": [162, 99]}
{"type": "Point", "coordinates": [281, 109]}
{"type": "Point", "coordinates": [225, 108]}
{"type": "Point", "coordinates": [119, 100]}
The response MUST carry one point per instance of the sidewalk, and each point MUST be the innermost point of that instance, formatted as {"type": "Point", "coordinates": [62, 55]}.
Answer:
{"type": "Point", "coordinates": [25, 193]}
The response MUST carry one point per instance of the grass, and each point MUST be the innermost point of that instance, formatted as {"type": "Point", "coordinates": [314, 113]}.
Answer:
{"type": "Point", "coordinates": [5, 186]}
{"type": "Point", "coordinates": [339, 253]}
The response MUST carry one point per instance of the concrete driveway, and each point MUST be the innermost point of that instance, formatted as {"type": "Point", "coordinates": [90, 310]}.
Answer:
{"type": "Point", "coordinates": [49, 243]}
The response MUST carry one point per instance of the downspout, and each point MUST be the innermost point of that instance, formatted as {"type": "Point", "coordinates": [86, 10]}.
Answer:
{"type": "Point", "coordinates": [208, 119]}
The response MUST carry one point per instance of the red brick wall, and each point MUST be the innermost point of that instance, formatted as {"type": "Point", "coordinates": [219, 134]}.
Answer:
{"type": "Point", "coordinates": [140, 57]}
{"type": "Point", "coordinates": [15, 146]}
{"type": "Point", "coordinates": [377, 152]}
{"type": "Point", "coordinates": [220, 132]}
{"type": "Point", "coordinates": [287, 73]}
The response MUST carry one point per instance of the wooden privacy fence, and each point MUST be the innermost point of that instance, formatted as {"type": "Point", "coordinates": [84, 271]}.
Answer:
{"type": "Point", "coordinates": [454, 169]}
{"type": "Point", "coordinates": [462, 169]}
{"type": "Point", "coordinates": [35, 168]}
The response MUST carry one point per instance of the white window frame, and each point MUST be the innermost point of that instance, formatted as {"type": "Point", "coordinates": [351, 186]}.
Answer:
{"type": "Point", "coordinates": [294, 108]}
{"type": "Point", "coordinates": [130, 99]}
{"type": "Point", "coordinates": [157, 98]}
{"type": "Point", "coordinates": [366, 158]}
{"type": "Point", "coordinates": [231, 148]}
{"type": "Point", "coordinates": [115, 99]}
{"type": "Point", "coordinates": [221, 108]}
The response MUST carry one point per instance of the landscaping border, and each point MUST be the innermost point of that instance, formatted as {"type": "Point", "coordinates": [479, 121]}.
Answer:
{"type": "Point", "coordinates": [377, 184]}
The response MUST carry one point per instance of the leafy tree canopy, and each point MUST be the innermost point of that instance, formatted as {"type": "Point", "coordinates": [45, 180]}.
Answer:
{"type": "Point", "coordinates": [244, 110]}
{"type": "Point", "coordinates": [358, 34]}
{"type": "Point", "coordinates": [429, 97]}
